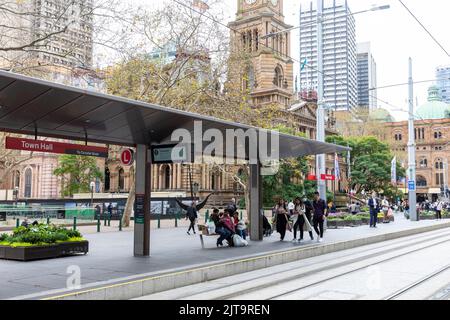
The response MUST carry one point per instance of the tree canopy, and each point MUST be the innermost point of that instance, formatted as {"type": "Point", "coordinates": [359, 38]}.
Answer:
{"type": "Point", "coordinates": [77, 173]}
{"type": "Point", "coordinates": [370, 163]}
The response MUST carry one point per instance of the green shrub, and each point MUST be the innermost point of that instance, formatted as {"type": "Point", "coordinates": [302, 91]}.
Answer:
{"type": "Point", "coordinates": [39, 235]}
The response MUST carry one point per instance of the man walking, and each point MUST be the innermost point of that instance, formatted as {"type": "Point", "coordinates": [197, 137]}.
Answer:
{"type": "Point", "coordinates": [320, 207]}
{"type": "Point", "coordinates": [374, 208]}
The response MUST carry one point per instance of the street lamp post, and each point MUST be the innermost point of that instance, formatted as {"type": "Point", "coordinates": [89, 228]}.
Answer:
{"type": "Point", "coordinates": [320, 159]}
{"type": "Point", "coordinates": [412, 151]}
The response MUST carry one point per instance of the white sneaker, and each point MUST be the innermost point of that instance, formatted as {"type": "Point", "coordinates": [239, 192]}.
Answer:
{"type": "Point", "coordinates": [320, 240]}
{"type": "Point", "coordinates": [300, 240]}
{"type": "Point", "coordinates": [295, 240]}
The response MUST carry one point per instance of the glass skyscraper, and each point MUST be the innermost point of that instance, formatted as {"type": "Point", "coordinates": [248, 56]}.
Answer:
{"type": "Point", "coordinates": [443, 82]}
{"type": "Point", "coordinates": [339, 48]}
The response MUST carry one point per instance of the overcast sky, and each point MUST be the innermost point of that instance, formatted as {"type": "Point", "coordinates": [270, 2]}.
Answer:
{"type": "Point", "coordinates": [394, 35]}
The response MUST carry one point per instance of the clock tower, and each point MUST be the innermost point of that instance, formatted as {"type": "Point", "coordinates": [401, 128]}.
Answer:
{"type": "Point", "coordinates": [269, 76]}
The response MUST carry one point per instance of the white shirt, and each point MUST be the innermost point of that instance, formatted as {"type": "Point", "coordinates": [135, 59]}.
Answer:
{"type": "Point", "coordinates": [291, 206]}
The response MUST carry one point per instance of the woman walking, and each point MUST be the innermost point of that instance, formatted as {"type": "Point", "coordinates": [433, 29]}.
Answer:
{"type": "Point", "coordinates": [306, 220]}
{"type": "Point", "coordinates": [282, 218]}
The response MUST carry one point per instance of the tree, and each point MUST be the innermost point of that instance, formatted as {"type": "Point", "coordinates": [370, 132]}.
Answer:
{"type": "Point", "coordinates": [290, 180]}
{"type": "Point", "coordinates": [370, 162]}
{"type": "Point", "coordinates": [28, 32]}
{"type": "Point", "coordinates": [77, 173]}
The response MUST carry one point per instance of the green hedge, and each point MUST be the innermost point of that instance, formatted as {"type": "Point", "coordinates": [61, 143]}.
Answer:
{"type": "Point", "coordinates": [41, 234]}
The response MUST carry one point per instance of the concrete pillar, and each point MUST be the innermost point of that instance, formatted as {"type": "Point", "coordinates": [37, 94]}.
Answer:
{"type": "Point", "coordinates": [256, 218]}
{"type": "Point", "coordinates": [142, 202]}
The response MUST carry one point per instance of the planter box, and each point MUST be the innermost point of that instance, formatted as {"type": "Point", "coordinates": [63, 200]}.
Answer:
{"type": "Point", "coordinates": [427, 217]}
{"type": "Point", "coordinates": [44, 252]}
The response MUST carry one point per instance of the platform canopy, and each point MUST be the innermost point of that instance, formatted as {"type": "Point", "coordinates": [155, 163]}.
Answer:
{"type": "Point", "coordinates": [29, 105]}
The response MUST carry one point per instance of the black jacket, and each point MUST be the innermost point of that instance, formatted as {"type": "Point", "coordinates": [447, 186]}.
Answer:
{"type": "Point", "coordinates": [192, 212]}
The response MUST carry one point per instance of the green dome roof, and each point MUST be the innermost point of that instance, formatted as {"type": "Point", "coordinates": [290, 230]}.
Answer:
{"type": "Point", "coordinates": [381, 115]}
{"type": "Point", "coordinates": [435, 108]}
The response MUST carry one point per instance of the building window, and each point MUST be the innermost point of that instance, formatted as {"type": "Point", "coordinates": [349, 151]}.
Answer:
{"type": "Point", "coordinates": [438, 135]}
{"type": "Point", "coordinates": [439, 164]}
{"type": "Point", "coordinates": [439, 179]}
{"type": "Point", "coordinates": [107, 180]}
{"type": "Point", "coordinates": [278, 80]}
{"type": "Point", "coordinates": [28, 179]}
{"type": "Point", "coordinates": [421, 181]}
{"type": "Point", "coordinates": [423, 163]}
{"type": "Point", "coordinates": [121, 179]}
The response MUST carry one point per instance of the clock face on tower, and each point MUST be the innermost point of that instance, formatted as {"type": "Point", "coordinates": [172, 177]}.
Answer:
{"type": "Point", "coordinates": [250, 2]}
{"type": "Point", "coordinates": [274, 2]}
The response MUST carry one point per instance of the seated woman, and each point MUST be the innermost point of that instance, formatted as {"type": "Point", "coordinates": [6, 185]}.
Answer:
{"type": "Point", "coordinates": [222, 229]}
{"type": "Point", "coordinates": [240, 227]}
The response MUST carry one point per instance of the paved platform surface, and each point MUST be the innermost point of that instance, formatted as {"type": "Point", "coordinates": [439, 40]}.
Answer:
{"type": "Point", "coordinates": [111, 256]}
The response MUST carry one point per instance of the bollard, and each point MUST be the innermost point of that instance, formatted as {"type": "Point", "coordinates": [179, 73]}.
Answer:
{"type": "Point", "coordinates": [99, 223]}
{"type": "Point", "coordinates": [17, 223]}
{"type": "Point", "coordinates": [74, 223]}
{"type": "Point", "coordinates": [159, 221]}
{"type": "Point", "coordinates": [106, 221]}
{"type": "Point", "coordinates": [48, 220]}
{"type": "Point", "coordinates": [176, 220]}
{"type": "Point", "coordinates": [241, 215]}
{"type": "Point", "coordinates": [206, 216]}
{"type": "Point", "coordinates": [120, 224]}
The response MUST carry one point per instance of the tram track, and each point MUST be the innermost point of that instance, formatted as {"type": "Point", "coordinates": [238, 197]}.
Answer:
{"type": "Point", "coordinates": [221, 289]}
{"type": "Point", "coordinates": [408, 252]}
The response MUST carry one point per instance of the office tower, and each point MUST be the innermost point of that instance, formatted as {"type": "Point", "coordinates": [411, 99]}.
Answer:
{"type": "Point", "coordinates": [339, 48]}
{"type": "Point", "coordinates": [367, 77]}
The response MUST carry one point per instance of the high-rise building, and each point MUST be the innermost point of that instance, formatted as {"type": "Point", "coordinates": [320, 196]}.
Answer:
{"type": "Point", "coordinates": [339, 50]}
{"type": "Point", "coordinates": [367, 77]}
{"type": "Point", "coordinates": [61, 31]}
{"type": "Point", "coordinates": [443, 82]}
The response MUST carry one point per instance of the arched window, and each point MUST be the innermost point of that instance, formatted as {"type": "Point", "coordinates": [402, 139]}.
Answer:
{"type": "Point", "coordinates": [438, 135]}
{"type": "Point", "coordinates": [439, 164]}
{"type": "Point", "coordinates": [167, 177]}
{"type": "Point", "coordinates": [121, 179]}
{"type": "Point", "coordinates": [28, 183]}
{"type": "Point", "coordinates": [107, 180]}
{"type": "Point", "coordinates": [278, 79]}
{"type": "Point", "coordinates": [421, 181]}
{"type": "Point", "coordinates": [423, 163]}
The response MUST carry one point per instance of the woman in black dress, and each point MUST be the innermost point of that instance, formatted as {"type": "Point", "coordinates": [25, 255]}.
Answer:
{"type": "Point", "coordinates": [282, 218]}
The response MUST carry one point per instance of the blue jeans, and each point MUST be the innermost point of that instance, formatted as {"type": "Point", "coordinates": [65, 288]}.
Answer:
{"type": "Point", "coordinates": [224, 234]}
{"type": "Point", "coordinates": [242, 234]}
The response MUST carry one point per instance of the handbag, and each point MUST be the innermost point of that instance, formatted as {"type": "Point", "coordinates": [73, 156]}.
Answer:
{"type": "Point", "coordinates": [288, 224]}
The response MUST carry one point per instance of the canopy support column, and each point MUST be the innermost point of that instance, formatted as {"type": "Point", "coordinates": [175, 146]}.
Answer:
{"type": "Point", "coordinates": [255, 206]}
{"type": "Point", "coordinates": [142, 202]}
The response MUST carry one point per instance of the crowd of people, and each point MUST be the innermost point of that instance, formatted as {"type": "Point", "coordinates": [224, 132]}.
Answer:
{"type": "Point", "coordinates": [298, 216]}
{"type": "Point", "coordinates": [301, 215]}
{"type": "Point", "coordinates": [437, 206]}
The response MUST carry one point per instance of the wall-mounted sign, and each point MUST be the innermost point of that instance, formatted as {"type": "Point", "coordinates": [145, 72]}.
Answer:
{"type": "Point", "coordinates": [127, 157]}
{"type": "Point", "coordinates": [139, 213]}
{"type": "Point", "coordinates": [170, 154]}
{"type": "Point", "coordinates": [328, 177]}
{"type": "Point", "coordinates": [55, 147]}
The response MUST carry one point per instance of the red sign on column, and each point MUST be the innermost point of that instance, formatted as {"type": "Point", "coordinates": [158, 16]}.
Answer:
{"type": "Point", "coordinates": [328, 177]}
{"type": "Point", "coordinates": [127, 157]}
